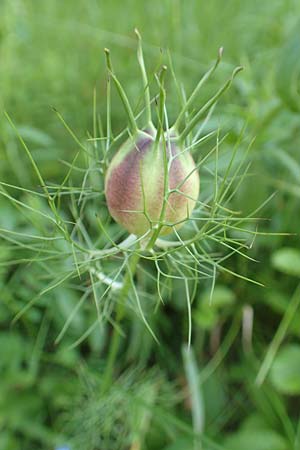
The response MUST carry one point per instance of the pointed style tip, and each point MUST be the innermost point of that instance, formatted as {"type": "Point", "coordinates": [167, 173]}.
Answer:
{"type": "Point", "coordinates": [238, 69]}
{"type": "Point", "coordinates": [137, 33]}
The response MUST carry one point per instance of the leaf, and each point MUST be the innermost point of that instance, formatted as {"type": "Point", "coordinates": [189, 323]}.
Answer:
{"type": "Point", "coordinates": [285, 371]}
{"type": "Point", "coordinates": [288, 73]}
{"type": "Point", "coordinates": [205, 318]}
{"type": "Point", "coordinates": [35, 136]}
{"type": "Point", "coordinates": [287, 260]}
{"type": "Point", "coordinates": [182, 443]}
{"type": "Point", "coordinates": [8, 441]}
{"type": "Point", "coordinates": [279, 303]}
{"type": "Point", "coordinates": [65, 304]}
{"type": "Point", "coordinates": [222, 296]}
{"type": "Point", "coordinates": [258, 440]}
{"type": "Point", "coordinates": [212, 304]}
{"type": "Point", "coordinates": [195, 393]}
{"type": "Point", "coordinates": [287, 161]}
{"type": "Point", "coordinates": [13, 352]}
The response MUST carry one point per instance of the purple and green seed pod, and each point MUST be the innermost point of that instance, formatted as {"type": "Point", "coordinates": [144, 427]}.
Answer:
{"type": "Point", "coordinates": [152, 182]}
{"type": "Point", "coordinates": [142, 174]}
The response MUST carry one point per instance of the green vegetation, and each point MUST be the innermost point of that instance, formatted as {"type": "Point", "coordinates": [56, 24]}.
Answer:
{"type": "Point", "coordinates": [191, 342]}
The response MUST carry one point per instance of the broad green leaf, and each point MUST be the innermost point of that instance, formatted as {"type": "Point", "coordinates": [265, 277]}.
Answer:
{"type": "Point", "coordinates": [205, 317]}
{"type": "Point", "coordinates": [222, 296]}
{"type": "Point", "coordinates": [285, 371]}
{"type": "Point", "coordinates": [256, 440]}
{"type": "Point", "coordinates": [287, 260]}
{"type": "Point", "coordinates": [211, 304]}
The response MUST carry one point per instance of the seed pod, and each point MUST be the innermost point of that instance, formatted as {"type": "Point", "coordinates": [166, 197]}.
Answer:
{"type": "Point", "coordinates": [148, 183]}
{"type": "Point", "coordinates": [152, 182]}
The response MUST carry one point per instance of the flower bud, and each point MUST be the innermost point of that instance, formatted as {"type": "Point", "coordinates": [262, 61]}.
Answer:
{"type": "Point", "coordinates": [141, 182]}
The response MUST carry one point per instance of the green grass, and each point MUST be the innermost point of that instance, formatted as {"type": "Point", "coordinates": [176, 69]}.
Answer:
{"type": "Point", "coordinates": [220, 376]}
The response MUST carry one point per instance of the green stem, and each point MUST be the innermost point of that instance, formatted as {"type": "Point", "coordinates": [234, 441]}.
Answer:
{"type": "Point", "coordinates": [161, 106]}
{"type": "Point", "coordinates": [132, 123]}
{"type": "Point", "coordinates": [120, 313]}
{"type": "Point", "coordinates": [140, 56]}
{"type": "Point", "coordinates": [192, 97]}
{"type": "Point", "coordinates": [108, 115]}
{"type": "Point", "coordinates": [160, 139]}
{"type": "Point", "coordinates": [209, 104]}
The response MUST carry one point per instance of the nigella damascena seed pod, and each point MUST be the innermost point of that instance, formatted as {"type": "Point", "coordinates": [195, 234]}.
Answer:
{"type": "Point", "coordinates": [142, 174]}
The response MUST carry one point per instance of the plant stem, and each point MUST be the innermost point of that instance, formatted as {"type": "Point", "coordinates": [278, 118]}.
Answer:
{"type": "Point", "coordinates": [115, 343]}
{"type": "Point", "coordinates": [194, 94]}
{"type": "Point", "coordinates": [278, 337]}
{"type": "Point", "coordinates": [161, 105]}
{"type": "Point", "coordinates": [132, 123]}
{"type": "Point", "coordinates": [208, 105]}
{"type": "Point", "coordinates": [141, 61]}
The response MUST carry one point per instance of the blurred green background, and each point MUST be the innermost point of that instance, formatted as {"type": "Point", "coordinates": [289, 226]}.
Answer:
{"type": "Point", "coordinates": [51, 55]}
